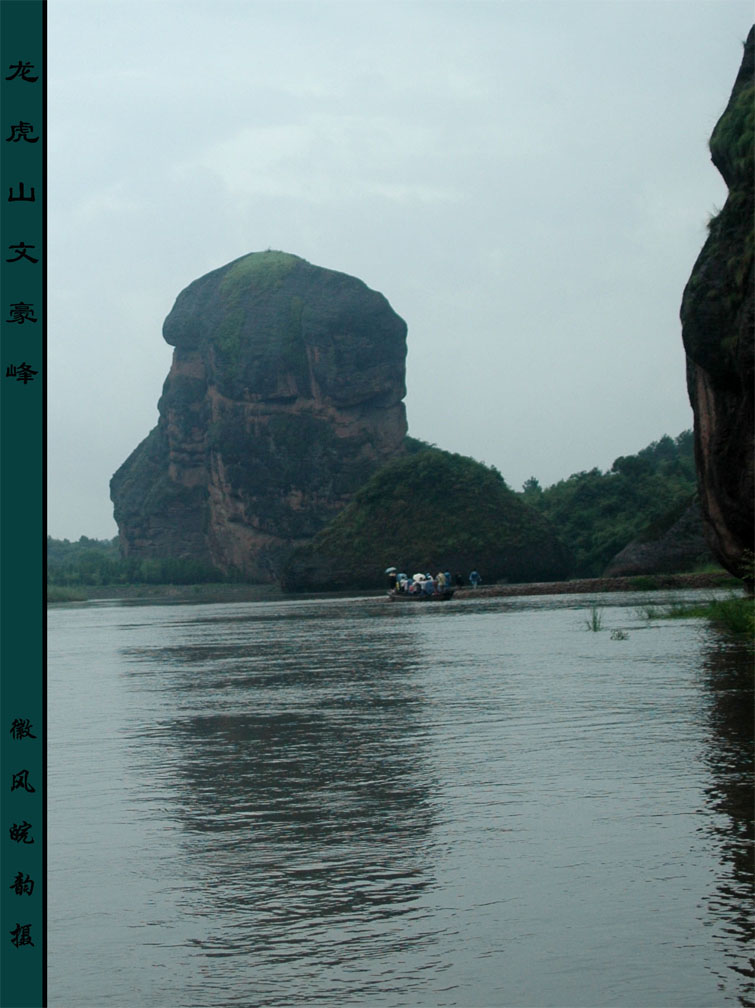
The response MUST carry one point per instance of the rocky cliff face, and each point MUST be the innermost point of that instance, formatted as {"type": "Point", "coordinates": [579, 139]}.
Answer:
{"type": "Point", "coordinates": [284, 396]}
{"type": "Point", "coordinates": [718, 326]}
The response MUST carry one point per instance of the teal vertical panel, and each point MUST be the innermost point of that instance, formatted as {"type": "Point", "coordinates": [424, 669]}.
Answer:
{"type": "Point", "coordinates": [22, 515]}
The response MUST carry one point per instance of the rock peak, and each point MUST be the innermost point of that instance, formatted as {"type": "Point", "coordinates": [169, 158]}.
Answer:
{"type": "Point", "coordinates": [284, 395]}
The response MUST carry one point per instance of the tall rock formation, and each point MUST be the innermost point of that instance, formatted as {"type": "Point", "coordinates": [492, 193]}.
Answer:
{"type": "Point", "coordinates": [718, 330]}
{"type": "Point", "coordinates": [284, 396]}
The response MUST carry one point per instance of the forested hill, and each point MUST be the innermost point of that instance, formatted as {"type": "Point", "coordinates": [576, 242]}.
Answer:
{"type": "Point", "coordinates": [598, 513]}
{"type": "Point", "coordinates": [430, 510]}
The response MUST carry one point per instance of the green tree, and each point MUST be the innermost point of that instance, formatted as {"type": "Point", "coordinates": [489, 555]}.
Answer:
{"type": "Point", "coordinates": [596, 514]}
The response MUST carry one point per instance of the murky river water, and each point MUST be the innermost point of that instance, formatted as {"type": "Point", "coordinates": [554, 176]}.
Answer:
{"type": "Point", "coordinates": [357, 802]}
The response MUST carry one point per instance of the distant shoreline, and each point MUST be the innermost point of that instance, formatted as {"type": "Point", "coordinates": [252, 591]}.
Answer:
{"type": "Point", "coordinates": [234, 592]}
{"type": "Point", "coordinates": [638, 582]}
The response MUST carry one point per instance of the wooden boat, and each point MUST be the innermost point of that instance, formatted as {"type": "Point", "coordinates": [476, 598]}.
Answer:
{"type": "Point", "coordinates": [420, 596]}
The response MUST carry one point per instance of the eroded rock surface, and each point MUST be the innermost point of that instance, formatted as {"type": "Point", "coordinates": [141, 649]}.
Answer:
{"type": "Point", "coordinates": [718, 327]}
{"type": "Point", "coordinates": [285, 394]}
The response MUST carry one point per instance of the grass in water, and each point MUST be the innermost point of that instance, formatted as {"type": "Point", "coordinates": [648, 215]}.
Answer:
{"type": "Point", "coordinates": [595, 622]}
{"type": "Point", "coordinates": [733, 615]}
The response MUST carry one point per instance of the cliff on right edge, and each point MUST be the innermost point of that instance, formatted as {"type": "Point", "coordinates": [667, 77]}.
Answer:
{"type": "Point", "coordinates": [718, 331]}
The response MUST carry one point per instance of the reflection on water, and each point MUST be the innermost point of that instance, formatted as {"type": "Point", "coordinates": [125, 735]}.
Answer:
{"type": "Point", "coordinates": [731, 794]}
{"type": "Point", "coordinates": [304, 789]}
{"type": "Point", "coordinates": [349, 802]}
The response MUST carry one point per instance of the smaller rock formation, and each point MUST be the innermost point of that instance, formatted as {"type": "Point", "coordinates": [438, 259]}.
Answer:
{"type": "Point", "coordinates": [718, 330]}
{"type": "Point", "coordinates": [430, 511]}
{"type": "Point", "coordinates": [680, 546]}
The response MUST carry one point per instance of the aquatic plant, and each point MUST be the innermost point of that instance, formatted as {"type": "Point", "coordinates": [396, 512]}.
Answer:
{"type": "Point", "coordinates": [732, 615]}
{"type": "Point", "coordinates": [595, 621]}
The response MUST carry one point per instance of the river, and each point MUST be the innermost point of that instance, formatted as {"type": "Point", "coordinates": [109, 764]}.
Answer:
{"type": "Point", "coordinates": [335, 802]}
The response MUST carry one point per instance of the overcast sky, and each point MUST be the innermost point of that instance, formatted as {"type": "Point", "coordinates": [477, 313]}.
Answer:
{"type": "Point", "coordinates": [528, 183]}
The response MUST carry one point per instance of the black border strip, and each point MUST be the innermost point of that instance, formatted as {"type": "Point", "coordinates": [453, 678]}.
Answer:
{"type": "Point", "coordinates": [23, 513]}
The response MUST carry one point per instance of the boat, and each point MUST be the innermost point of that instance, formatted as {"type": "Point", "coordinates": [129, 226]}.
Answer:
{"type": "Point", "coordinates": [420, 596]}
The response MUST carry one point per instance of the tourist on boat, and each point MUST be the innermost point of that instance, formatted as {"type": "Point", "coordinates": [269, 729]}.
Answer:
{"type": "Point", "coordinates": [474, 579]}
{"type": "Point", "coordinates": [441, 581]}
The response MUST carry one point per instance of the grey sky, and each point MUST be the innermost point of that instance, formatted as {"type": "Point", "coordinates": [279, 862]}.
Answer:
{"type": "Point", "coordinates": [528, 183]}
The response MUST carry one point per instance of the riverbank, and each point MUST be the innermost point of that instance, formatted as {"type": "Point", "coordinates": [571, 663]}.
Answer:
{"type": "Point", "coordinates": [648, 582]}
{"type": "Point", "coordinates": [212, 592]}
{"type": "Point", "coordinates": [234, 592]}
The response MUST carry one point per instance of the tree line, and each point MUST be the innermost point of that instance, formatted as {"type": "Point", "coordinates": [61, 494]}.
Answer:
{"type": "Point", "coordinates": [98, 562]}
{"type": "Point", "coordinates": [597, 514]}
